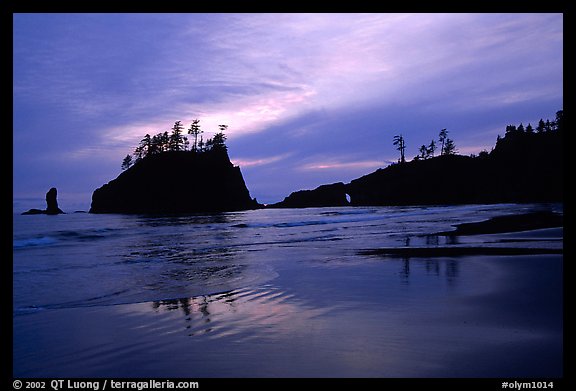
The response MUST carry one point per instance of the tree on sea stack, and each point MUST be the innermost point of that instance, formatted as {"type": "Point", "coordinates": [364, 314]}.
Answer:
{"type": "Point", "coordinates": [195, 131]}
{"type": "Point", "coordinates": [219, 139]}
{"type": "Point", "coordinates": [175, 142]}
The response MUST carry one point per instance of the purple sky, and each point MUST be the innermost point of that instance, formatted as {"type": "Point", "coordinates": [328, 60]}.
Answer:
{"type": "Point", "coordinates": [309, 99]}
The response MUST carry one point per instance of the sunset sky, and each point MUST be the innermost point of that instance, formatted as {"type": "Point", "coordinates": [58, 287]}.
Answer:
{"type": "Point", "coordinates": [309, 99]}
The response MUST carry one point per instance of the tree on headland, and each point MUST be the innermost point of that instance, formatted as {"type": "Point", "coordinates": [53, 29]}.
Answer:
{"type": "Point", "coordinates": [450, 147]}
{"type": "Point", "coordinates": [541, 126]}
{"type": "Point", "coordinates": [400, 146]}
{"type": "Point", "coordinates": [177, 140]}
{"type": "Point", "coordinates": [511, 129]}
{"type": "Point", "coordinates": [423, 152]}
{"type": "Point", "coordinates": [447, 144]}
{"type": "Point", "coordinates": [127, 162]}
{"type": "Point", "coordinates": [427, 152]}
{"type": "Point", "coordinates": [442, 139]}
{"type": "Point", "coordinates": [431, 149]}
{"type": "Point", "coordinates": [160, 143]}
{"type": "Point", "coordinates": [559, 123]}
{"type": "Point", "coordinates": [143, 149]}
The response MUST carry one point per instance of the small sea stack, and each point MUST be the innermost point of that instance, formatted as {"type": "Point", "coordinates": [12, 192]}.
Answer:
{"type": "Point", "coordinates": [51, 205]}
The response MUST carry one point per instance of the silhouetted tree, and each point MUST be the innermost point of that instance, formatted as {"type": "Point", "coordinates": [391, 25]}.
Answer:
{"type": "Point", "coordinates": [442, 139]}
{"type": "Point", "coordinates": [423, 152]}
{"type": "Point", "coordinates": [157, 144]}
{"type": "Point", "coordinates": [541, 126]}
{"type": "Point", "coordinates": [483, 154]}
{"type": "Point", "coordinates": [520, 128]}
{"type": "Point", "coordinates": [127, 162]}
{"type": "Point", "coordinates": [208, 144]}
{"type": "Point", "coordinates": [165, 141]}
{"type": "Point", "coordinates": [176, 142]}
{"type": "Point", "coordinates": [449, 147]}
{"type": "Point", "coordinates": [143, 148]}
{"type": "Point", "coordinates": [529, 128]}
{"type": "Point", "coordinates": [431, 149]}
{"type": "Point", "coordinates": [511, 129]}
{"type": "Point", "coordinates": [400, 146]}
{"type": "Point", "coordinates": [219, 139]}
{"type": "Point", "coordinates": [559, 123]}
{"type": "Point", "coordinates": [138, 154]}
{"type": "Point", "coordinates": [195, 131]}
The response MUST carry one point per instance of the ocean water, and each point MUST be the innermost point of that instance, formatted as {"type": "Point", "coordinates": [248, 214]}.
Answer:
{"type": "Point", "coordinates": [283, 293]}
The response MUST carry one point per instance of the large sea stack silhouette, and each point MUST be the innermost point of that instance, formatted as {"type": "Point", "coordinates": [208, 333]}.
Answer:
{"type": "Point", "coordinates": [51, 205]}
{"type": "Point", "coordinates": [525, 165]}
{"type": "Point", "coordinates": [176, 182]}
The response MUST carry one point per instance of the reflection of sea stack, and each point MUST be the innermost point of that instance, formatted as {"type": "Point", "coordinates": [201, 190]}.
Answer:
{"type": "Point", "coordinates": [51, 205]}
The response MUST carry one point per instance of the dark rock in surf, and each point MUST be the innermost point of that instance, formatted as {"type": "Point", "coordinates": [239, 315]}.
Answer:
{"type": "Point", "coordinates": [52, 202]}
{"type": "Point", "coordinates": [509, 223]}
{"type": "Point", "coordinates": [51, 205]}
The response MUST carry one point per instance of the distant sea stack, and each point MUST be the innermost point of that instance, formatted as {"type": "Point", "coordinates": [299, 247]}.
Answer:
{"type": "Point", "coordinates": [51, 205]}
{"type": "Point", "coordinates": [176, 182]}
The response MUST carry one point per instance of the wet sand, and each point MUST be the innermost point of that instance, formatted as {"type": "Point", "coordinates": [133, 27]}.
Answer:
{"type": "Point", "coordinates": [497, 316]}
{"type": "Point", "coordinates": [488, 305]}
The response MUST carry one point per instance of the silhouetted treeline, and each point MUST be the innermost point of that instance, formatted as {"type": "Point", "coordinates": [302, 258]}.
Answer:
{"type": "Point", "coordinates": [514, 135]}
{"type": "Point", "coordinates": [447, 147]}
{"type": "Point", "coordinates": [176, 182]}
{"type": "Point", "coordinates": [520, 142]}
{"type": "Point", "coordinates": [526, 165]}
{"type": "Point", "coordinates": [176, 141]}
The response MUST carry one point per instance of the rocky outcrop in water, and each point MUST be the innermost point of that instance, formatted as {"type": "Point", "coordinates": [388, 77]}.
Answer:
{"type": "Point", "coordinates": [51, 205]}
{"type": "Point", "coordinates": [176, 182]}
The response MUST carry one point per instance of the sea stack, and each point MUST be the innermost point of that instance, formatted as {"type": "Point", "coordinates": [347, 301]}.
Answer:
{"type": "Point", "coordinates": [176, 182]}
{"type": "Point", "coordinates": [52, 202]}
{"type": "Point", "coordinates": [51, 205]}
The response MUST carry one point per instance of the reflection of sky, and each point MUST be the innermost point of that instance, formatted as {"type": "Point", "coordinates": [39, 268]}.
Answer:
{"type": "Point", "coordinates": [309, 98]}
{"type": "Point", "coordinates": [472, 316]}
{"type": "Point", "coordinates": [372, 321]}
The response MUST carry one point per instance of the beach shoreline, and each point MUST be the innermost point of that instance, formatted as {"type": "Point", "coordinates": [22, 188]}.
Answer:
{"type": "Point", "coordinates": [315, 302]}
